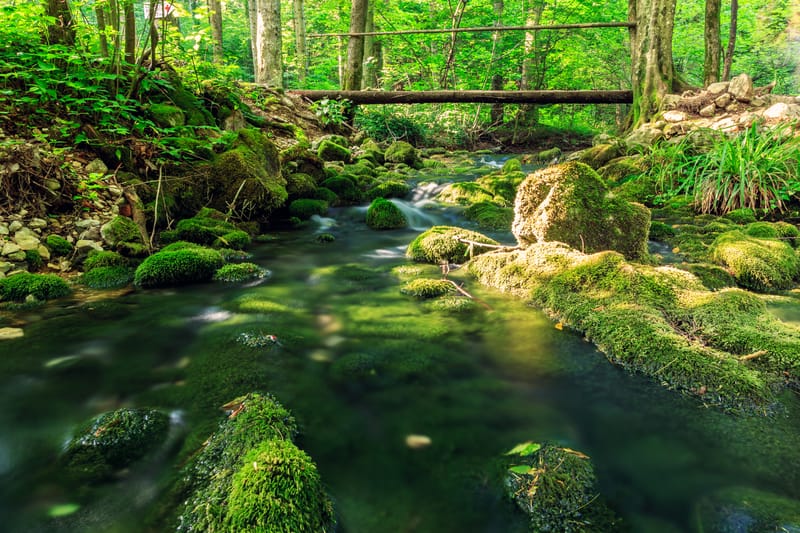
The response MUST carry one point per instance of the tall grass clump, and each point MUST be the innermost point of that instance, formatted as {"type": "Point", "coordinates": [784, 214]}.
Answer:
{"type": "Point", "coordinates": [755, 169]}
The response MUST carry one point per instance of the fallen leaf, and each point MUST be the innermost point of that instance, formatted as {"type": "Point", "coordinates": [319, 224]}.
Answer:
{"type": "Point", "coordinates": [559, 326]}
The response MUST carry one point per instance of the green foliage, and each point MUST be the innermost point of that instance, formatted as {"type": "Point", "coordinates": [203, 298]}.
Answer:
{"type": "Point", "coordinates": [383, 214]}
{"type": "Point", "coordinates": [178, 267]}
{"type": "Point", "coordinates": [18, 287]}
{"type": "Point", "coordinates": [490, 216]}
{"type": "Point", "coordinates": [389, 126]}
{"type": "Point", "coordinates": [58, 246]}
{"type": "Point", "coordinates": [34, 260]}
{"type": "Point", "coordinates": [108, 277]}
{"type": "Point", "coordinates": [240, 272]}
{"type": "Point", "coordinates": [104, 258]}
{"type": "Point", "coordinates": [305, 208]}
{"type": "Point", "coordinates": [331, 112]}
{"type": "Point", "coordinates": [423, 288]}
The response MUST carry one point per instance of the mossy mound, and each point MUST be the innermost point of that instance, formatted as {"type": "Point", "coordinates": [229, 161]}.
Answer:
{"type": "Point", "coordinates": [660, 231]}
{"type": "Point", "coordinates": [490, 216]}
{"type": "Point", "coordinates": [502, 185]}
{"type": "Point", "coordinates": [58, 246]}
{"type": "Point", "coordinates": [746, 510]}
{"type": "Point", "coordinates": [774, 230]}
{"type": "Point", "coordinates": [240, 272]}
{"type": "Point", "coordinates": [104, 258]}
{"type": "Point", "coordinates": [250, 476]}
{"type": "Point", "coordinates": [166, 116]}
{"type": "Point", "coordinates": [424, 289]}
{"type": "Point", "coordinates": [331, 151]}
{"type": "Point", "coordinates": [742, 215]}
{"type": "Point", "coordinates": [299, 185]}
{"type": "Point", "coordinates": [599, 155]}
{"type": "Point", "coordinates": [557, 488]}
{"type": "Point", "coordinates": [570, 203]}
{"type": "Point", "coordinates": [622, 169]}
{"type": "Point", "coordinates": [713, 277]}
{"type": "Point", "coordinates": [121, 230]}
{"type": "Point", "coordinates": [451, 304]}
{"type": "Point", "coordinates": [389, 189]}
{"type": "Point", "coordinates": [305, 208]}
{"type": "Point", "coordinates": [403, 152]}
{"type": "Point", "coordinates": [759, 264]}
{"type": "Point", "coordinates": [209, 227]}
{"type": "Point", "coordinates": [441, 244]}
{"type": "Point", "coordinates": [383, 214]}
{"type": "Point", "coordinates": [660, 321]}
{"type": "Point", "coordinates": [108, 277]}
{"type": "Point", "coordinates": [464, 193]}
{"type": "Point", "coordinates": [18, 287]}
{"type": "Point", "coordinates": [171, 267]}
{"type": "Point", "coordinates": [346, 190]}
{"type": "Point", "coordinates": [112, 441]}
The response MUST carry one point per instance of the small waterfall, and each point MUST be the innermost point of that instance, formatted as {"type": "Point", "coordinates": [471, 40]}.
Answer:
{"type": "Point", "coordinates": [418, 218]}
{"type": "Point", "coordinates": [426, 192]}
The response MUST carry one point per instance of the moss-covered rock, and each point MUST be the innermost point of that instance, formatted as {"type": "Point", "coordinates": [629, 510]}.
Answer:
{"type": "Point", "coordinates": [557, 488]}
{"type": "Point", "coordinates": [713, 277]}
{"type": "Point", "coordinates": [660, 231]}
{"type": "Point", "coordinates": [403, 152]}
{"type": "Point", "coordinates": [299, 159]}
{"type": "Point", "coordinates": [120, 230]}
{"type": "Point", "coordinates": [502, 186]}
{"type": "Point", "coordinates": [441, 244]}
{"type": "Point", "coordinates": [490, 216]}
{"type": "Point", "coordinates": [300, 185]}
{"type": "Point", "coordinates": [746, 510]}
{"type": "Point", "coordinates": [305, 208]}
{"type": "Point", "coordinates": [344, 188]}
{"type": "Point", "coordinates": [104, 258]}
{"type": "Point", "coordinates": [34, 260]}
{"type": "Point", "coordinates": [389, 189]}
{"type": "Point", "coordinates": [570, 203]}
{"type": "Point", "coordinates": [600, 154]}
{"type": "Point", "coordinates": [464, 193]}
{"type": "Point", "coordinates": [331, 151]}
{"type": "Point", "coordinates": [551, 154]}
{"type": "Point", "coordinates": [759, 264]}
{"type": "Point", "coordinates": [166, 116]}
{"type": "Point", "coordinates": [112, 441]}
{"type": "Point", "coordinates": [383, 214]}
{"type": "Point", "coordinates": [108, 277]}
{"type": "Point", "coordinates": [424, 288]}
{"type": "Point", "coordinates": [240, 272]}
{"type": "Point", "coordinates": [193, 264]}
{"type": "Point", "coordinates": [622, 169]}
{"type": "Point", "coordinates": [371, 150]}
{"type": "Point", "coordinates": [58, 246]}
{"type": "Point", "coordinates": [18, 287]}
{"type": "Point", "coordinates": [742, 215]}
{"type": "Point", "coordinates": [209, 227]}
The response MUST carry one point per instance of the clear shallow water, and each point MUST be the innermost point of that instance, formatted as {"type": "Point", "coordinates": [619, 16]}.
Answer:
{"type": "Point", "coordinates": [476, 385]}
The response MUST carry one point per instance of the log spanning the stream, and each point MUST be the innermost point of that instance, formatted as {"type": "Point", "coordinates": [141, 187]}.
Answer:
{"type": "Point", "coordinates": [471, 97]}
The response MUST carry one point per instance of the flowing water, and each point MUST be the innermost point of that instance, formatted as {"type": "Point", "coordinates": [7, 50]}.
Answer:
{"type": "Point", "coordinates": [363, 367]}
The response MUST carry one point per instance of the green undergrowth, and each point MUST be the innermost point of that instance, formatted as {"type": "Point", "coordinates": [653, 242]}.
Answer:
{"type": "Point", "coordinates": [722, 347]}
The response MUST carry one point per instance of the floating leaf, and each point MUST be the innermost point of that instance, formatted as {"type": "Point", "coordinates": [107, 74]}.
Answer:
{"type": "Point", "coordinates": [522, 469]}
{"type": "Point", "coordinates": [63, 509]}
{"type": "Point", "coordinates": [525, 448]}
{"type": "Point", "coordinates": [559, 325]}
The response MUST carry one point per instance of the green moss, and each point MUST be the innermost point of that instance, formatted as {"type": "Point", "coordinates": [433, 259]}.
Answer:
{"type": "Point", "coordinates": [305, 208]}
{"type": "Point", "coordinates": [104, 258]}
{"type": "Point", "coordinates": [660, 232]}
{"type": "Point", "coordinates": [490, 216]}
{"type": "Point", "coordinates": [344, 188]}
{"type": "Point", "coordinates": [403, 152]}
{"type": "Point", "coordinates": [713, 277]}
{"type": "Point", "coordinates": [599, 155]}
{"type": "Point", "coordinates": [300, 185]}
{"type": "Point", "coordinates": [331, 151]}
{"type": "Point", "coordinates": [389, 189]}
{"type": "Point", "coordinates": [383, 214]}
{"type": "Point", "coordinates": [18, 287]}
{"type": "Point", "coordinates": [758, 264]}
{"type": "Point", "coordinates": [120, 229]}
{"type": "Point", "coordinates": [34, 260]}
{"type": "Point", "coordinates": [512, 165]}
{"type": "Point", "coordinates": [166, 116]}
{"type": "Point", "coordinates": [557, 488]}
{"type": "Point", "coordinates": [58, 246]}
{"type": "Point", "coordinates": [326, 195]}
{"type": "Point", "coordinates": [452, 304]}
{"type": "Point", "coordinates": [178, 267]}
{"type": "Point", "coordinates": [464, 193]}
{"type": "Point", "coordinates": [240, 272]}
{"type": "Point", "coordinates": [355, 367]}
{"type": "Point", "coordinates": [502, 186]}
{"type": "Point", "coordinates": [440, 244]}
{"type": "Point", "coordinates": [423, 288]}
{"type": "Point", "coordinates": [108, 277]}
{"type": "Point", "coordinates": [236, 239]}
{"type": "Point", "coordinates": [549, 154]}
{"type": "Point", "coordinates": [741, 216]}
{"type": "Point", "coordinates": [747, 510]}
{"type": "Point", "coordinates": [112, 441]}
{"type": "Point", "coordinates": [621, 170]}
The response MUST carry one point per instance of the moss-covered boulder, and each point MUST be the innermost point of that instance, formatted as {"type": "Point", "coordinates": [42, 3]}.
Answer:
{"type": "Point", "coordinates": [403, 152]}
{"type": "Point", "coordinates": [299, 159]}
{"type": "Point", "coordinates": [240, 272]}
{"type": "Point", "coordinates": [557, 488]}
{"type": "Point", "coordinates": [166, 116]}
{"type": "Point", "coordinates": [178, 266]}
{"type": "Point", "coordinates": [250, 476]}
{"type": "Point", "coordinates": [599, 155]}
{"type": "Point", "coordinates": [121, 230]}
{"type": "Point", "coordinates": [490, 216]}
{"type": "Point", "coordinates": [423, 288]}
{"type": "Point", "coordinates": [383, 214]}
{"type": "Point", "coordinates": [23, 285]}
{"type": "Point", "coordinates": [300, 185]}
{"type": "Point", "coordinates": [746, 510]}
{"type": "Point", "coordinates": [58, 245]}
{"type": "Point", "coordinates": [389, 189]}
{"type": "Point", "coordinates": [443, 244]}
{"type": "Point", "coordinates": [114, 440]}
{"type": "Point", "coordinates": [759, 264]}
{"type": "Point", "coordinates": [373, 152]}
{"type": "Point", "coordinates": [345, 189]}
{"type": "Point", "coordinates": [108, 277]}
{"type": "Point", "coordinates": [305, 208]}
{"type": "Point", "coordinates": [570, 203]}
{"type": "Point", "coordinates": [245, 179]}
{"type": "Point", "coordinates": [209, 227]}
{"type": "Point", "coordinates": [621, 169]}
{"type": "Point", "coordinates": [331, 151]}
{"type": "Point", "coordinates": [464, 193]}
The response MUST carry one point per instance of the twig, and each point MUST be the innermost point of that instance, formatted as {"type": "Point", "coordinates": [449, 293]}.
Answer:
{"type": "Point", "coordinates": [753, 355]}
{"type": "Point", "coordinates": [472, 244]}
{"type": "Point", "coordinates": [468, 295]}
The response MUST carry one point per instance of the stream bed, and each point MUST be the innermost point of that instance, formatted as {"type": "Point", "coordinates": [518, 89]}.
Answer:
{"type": "Point", "coordinates": [363, 367]}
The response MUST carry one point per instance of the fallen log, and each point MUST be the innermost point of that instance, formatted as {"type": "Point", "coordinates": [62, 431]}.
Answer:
{"type": "Point", "coordinates": [456, 97]}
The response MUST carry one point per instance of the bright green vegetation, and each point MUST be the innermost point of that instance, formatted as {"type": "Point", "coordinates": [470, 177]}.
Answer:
{"type": "Point", "coordinates": [104, 258]}
{"type": "Point", "coordinates": [389, 189]}
{"type": "Point", "coordinates": [441, 244]}
{"type": "Point", "coordinates": [112, 441]}
{"type": "Point", "coordinates": [209, 227]}
{"type": "Point", "coordinates": [240, 272]}
{"type": "Point", "coordinates": [403, 152]}
{"type": "Point", "coordinates": [557, 488]}
{"type": "Point", "coordinates": [305, 208]}
{"type": "Point", "coordinates": [490, 216]}
{"type": "Point", "coordinates": [170, 267]}
{"type": "Point", "coordinates": [383, 214]}
{"type": "Point", "coordinates": [760, 264]}
{"type": "Point", "coordinates": [330, 151]}
{"type": "Point", "coordinates": [660, 321]}
{"type": "Point", "coordinates": [18, 287]}
{"type": "Point", "coordinates": [121, 230]}
{"type": "Point", "coordinates": [108, 277]}
{"type": "Point", "coordinates": [423, 288]}
{"type": "Point", "coordinates": [58, 245]}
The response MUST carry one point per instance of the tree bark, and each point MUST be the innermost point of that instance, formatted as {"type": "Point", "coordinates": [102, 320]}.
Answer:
{"type": "Point", "coordinates": [489, 97]}
{"type": "Point", "coordinates": [370, 77]}
{"type": "Point", "coordinates": [532, 57]}
{"type": "Point", "coordinates": [100, 13]}
{"type": "Point", "coordinates": [712, 41]}
{"type": "Point", "coordinates": [355, 46]}
{"type": "Point", "coordinates": [130, 31]}
{"type": "Point", "coordinates": [61, 30]}
{"type": "Point", "coordinates": [269, 65]}
{"type": "Point", "coordinates": [215, 20]}
{"type": "Point", "coordinates": [726, 68]}
{"type": "Point", "coordinates": [300, 40]}
{"type": "Point", "coordinates": [451, 49]}
{"type": "Point", "coordinates": [653, 73]}
{"type": "Point", "coordinates": [496, 111]}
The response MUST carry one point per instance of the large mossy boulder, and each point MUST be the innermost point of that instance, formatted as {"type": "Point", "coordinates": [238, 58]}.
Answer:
{"type": "Point", "coordinates": [570, 203]}
{"type": "Point", "coordinates": [23, 285]}
{"type": "Point", "coordinates": [557, 488]}
{"type": "Point", "coordinates": [464, 193]}
{"type": "Point", "coordinates": [209, 227]}
{"type": "Point", "coordinates": [331, 151]}
{"type": "Point", "coordinates": [178, 264]}
{"type": "Point", "coordinates": [250, 476]}
{"type": "Point", "coordinates": [444, 244]}
{"type": "Point", "coordinates": [746, 510]}
{"type": "Point", "coordinates": [383, 214]}
{"type": "Point", "coordinates": [758, 264]}
{"type": "Point", "coordinates": [403, 152]}
{"type": "Point", "coordinates": [112, 441]}
{"type": "Point", "coordinates": [122, 233]}
{"type": "Point", "coordinates": [245, 179]}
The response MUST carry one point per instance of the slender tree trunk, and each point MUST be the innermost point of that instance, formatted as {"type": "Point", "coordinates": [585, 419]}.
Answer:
{"type": "Point", "coordinates": [130, 32]}
{"type": "Point", "coordinates": [100, 13]}
{"type": "Point", "coordinates": [61, 30]}
{"type": "Point", "coordinates": [300, 41]}
{"type": "Point", "coordinates": [252, 17]}
{"type": "Point", "coordinates": [355, 46]}
{"type": "Point", "coordinates": [530, 113]}
{"type": "Point", "coordinates": [712, 40]}
{"type": "Point", "coordinates": [653, 73]}
{"type": "Point", "coordinates": [451, 50]}
{"type": "Point", "coordinates": [726, 68]}
{"type": "Point", "coordinates": [215, 20]}
{"type": "Point", "coordinates": [496, 111]}
{"type": "Point", "coordinates": [370, 78]}
{"type": "Point", "coordinates": [269, 67]}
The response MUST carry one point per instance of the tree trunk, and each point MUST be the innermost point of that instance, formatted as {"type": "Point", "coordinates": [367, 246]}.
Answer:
{"type": "Point", "coordinates": [300, 41]}
{"type": "Point", "coordinates": [712, 41]}
{"type": "Point", "coordinates": [726, 69]}
{"type": "Point", "coordinates": [130, 32]}
{"type": "Point", "coordinates": [370, 78]}
{"type": "Point", "coordinates": [61, 31]}
{"type": "Point", "coordinates": [269, 66]}
{"type": "Point", "coordinates": [496, 111]}
{"type": "Point", "coordinates": [451, 50]}
{"type": "Point", "coordinates": [355, 46]}
{"type": "Point", "coordinates": [215, 20]}
{"type": "Point", "coordinates": [653, 73]}
{"type": "Point", "coordinates": [480, 97]}
{"type": "Point", "coordinates": [528, 80]}
{"type": "Point", "coordinates": [100, 13]}
{"type": "Point", "coordinates": [252, 17]}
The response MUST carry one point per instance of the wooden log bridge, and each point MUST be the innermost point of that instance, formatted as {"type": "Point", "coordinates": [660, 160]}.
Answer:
{"type": "Point", "coordinates": [472, 97]}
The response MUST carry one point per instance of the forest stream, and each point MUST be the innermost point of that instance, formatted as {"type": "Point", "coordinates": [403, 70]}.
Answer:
{"type": "Point", "coordinates": [406, 409]}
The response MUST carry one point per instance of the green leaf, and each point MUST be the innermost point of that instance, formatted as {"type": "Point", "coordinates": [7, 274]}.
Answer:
{"type": "Point", "coordinates": [521, 469]}
{"type": "Point", "coordinates": [525, 448]}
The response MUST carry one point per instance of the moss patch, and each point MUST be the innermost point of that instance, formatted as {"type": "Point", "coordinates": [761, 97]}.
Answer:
{"type": "Point", "coordinates": [383, 214]}
{"type": "Point", "coordinates": [178, 267]}
{"type": "Point", "coordinates": [20, 286]}
{"type": "Point", "coordinates": [423, 288]}
{"type": "Point", "coordinates": [758, 264]}
{"type": "Point", "coordinates": [440, 244]}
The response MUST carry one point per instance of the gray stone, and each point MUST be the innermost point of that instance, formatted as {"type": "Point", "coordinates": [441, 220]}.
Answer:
{"type": "Point", "coordinates": [3, 229]}
{"type": "Point", "coordinates": [644, 136]}
{"type": "Point", "coordinates": [5, 266]}
{"type": "Point", "coordinates": [17, 256]}
{"type": "Point", "coordinates": [235, 121]}
{"type": "Point", "coordinates": [10, 248]}
{"type": "Point", "coordinates": [96, 166]}
{"type": "Point", "coordinates": [87, 223]}
{"type": "Point", "coordinates": [675, 116]}
{"type": "Point", "coordinates": [26, 239]}
{"type": "Point", "coordinates": [114, 191]}
{"type": "Point", "coordinates": [782, 111]}
{"type": "Point", "coordinates": [15, 226]}
{"type": "Point", "coordinates": [91, 234]}
{"type": "Point", "coordinates": [670, 101]}
{"type": "Point", "coordinates": [37, 223]}
{"type": "Point", "coordinates": [52, 185]}
{"type": "Point", "coordinates": [741, 88]}
{"type": "Point", "coordinates": [44, 252]}
{"type": "Point", "coordinates": [722, 101]}
{"type": "Point", "coordinates": [718, 88]}
{"type": "Point", "coordinates": [708, 111]}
